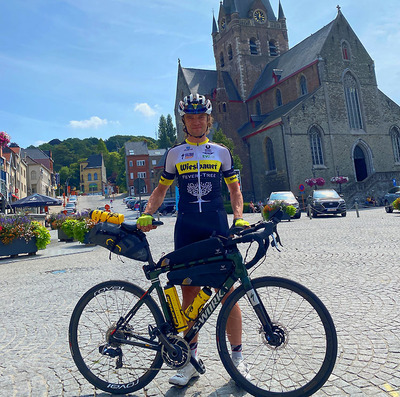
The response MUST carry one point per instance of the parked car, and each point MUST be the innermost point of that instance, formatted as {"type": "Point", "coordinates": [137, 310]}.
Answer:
{"type": "Point", "coordinates": [167, 207]}
{"type": "Point", "coordinates": [390, 196]}
{"type": "Point", "coordinates": [72, 199]}
{"type": "Point", "coordinates": [70, 208]}
{"type": "Point", "coordinates": [125, 199]}
{"type": "Point", "coordinates": [130, 203]}
{"type": "Point", "coordinates": [326, 201]}
{"type": "Point", "coordinates": [288, 198]}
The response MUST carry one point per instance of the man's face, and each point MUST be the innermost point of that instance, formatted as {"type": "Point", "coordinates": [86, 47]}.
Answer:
{"type": "Point", "coordinates": [196, 124]}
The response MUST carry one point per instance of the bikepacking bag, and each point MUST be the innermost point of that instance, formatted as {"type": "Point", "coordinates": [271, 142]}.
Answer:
{"type": "Point", "coordinates": [194, 264]}
{"type": "Point", "coordinates": [120, 240]}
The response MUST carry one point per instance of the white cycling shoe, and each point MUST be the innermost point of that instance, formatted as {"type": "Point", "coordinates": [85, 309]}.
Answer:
{"type": "Point", "coordinates": [242, 367]}
{"type": "Point", "coordinates": [184, 375]}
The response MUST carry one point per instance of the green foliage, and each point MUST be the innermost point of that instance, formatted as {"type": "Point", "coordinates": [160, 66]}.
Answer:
{"type": "Point", "coordinates": [220, 137]}
{"type": "Point", "coordinates": [166, 132]}
{"type": "Point", "coordinates": [79, 231]}
{"type": "Point", "coordinates": [68, 227]}
{"type": "Point", "coordinates": [288, 209]}
{"type": "Point", "coordinates": [396, 204]}
{"type": "Point", "coordinates": [42, 236]}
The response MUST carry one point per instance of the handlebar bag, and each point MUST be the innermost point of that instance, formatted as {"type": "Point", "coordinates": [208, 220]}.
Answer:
{"type": "Point", "coordinates": [132, 244]}
{"type": "Point", "coordinates": [211, 274]}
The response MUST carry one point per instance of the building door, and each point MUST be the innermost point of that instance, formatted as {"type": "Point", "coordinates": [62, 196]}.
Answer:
{"type": "Point", "coordinates": [360, 163]}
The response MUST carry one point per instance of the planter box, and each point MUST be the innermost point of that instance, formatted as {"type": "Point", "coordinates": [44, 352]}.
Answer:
{"type": "Point", "coordinates": [18, 246]}
{"type": "Point", "coordinates": [63, 237]}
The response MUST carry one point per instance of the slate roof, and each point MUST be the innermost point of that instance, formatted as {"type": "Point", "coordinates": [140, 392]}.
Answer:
{"type": "Point", "coordinates": [262, 121]}
{"type": "Point", "coordinates": [34, 153]}
{"type": "Point", "coordinates": [138, 148]}
{"type": "Point", "coordinates": [94, 161]}
{"type": "Point", "coordinates": [204, 82]}
{"type": "Point", "coordinates": [243, 7]}
{"type": "Point", "coordinates": [301, 55]}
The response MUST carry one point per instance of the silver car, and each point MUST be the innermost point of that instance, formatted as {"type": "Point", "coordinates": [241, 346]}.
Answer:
{"type": "Point", "coordinates": [390, 196]}
{"type": "Point", "coordinates": [288, 198]}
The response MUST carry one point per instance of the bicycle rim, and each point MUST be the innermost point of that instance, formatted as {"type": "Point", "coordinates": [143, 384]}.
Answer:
{"type": "Point", "coordinates": [306, 354]}
{"type": "Point", "coordinates": [93, 319]}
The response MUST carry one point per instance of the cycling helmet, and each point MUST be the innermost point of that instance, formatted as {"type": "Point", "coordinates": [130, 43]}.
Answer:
{"type": "Point", "coordinates": [194, 104]}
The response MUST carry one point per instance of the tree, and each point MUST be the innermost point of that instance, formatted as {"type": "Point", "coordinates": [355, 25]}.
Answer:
{"type": "Point", "coordinates": [171, 131]}
{"type": "Point", "coordinates": [163, 139]}
{"type": "Point", "coordinates": [220, 137]}
{"type": "Point", "coordinates": [102, 148]}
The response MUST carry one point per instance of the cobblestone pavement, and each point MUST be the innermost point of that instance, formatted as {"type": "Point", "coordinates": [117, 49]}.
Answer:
{"type": "Point", "coordinates": [350, 263]}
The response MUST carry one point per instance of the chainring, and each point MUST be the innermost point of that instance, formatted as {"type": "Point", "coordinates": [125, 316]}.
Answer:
{"type": "Point", "coordinates": [184, 349]}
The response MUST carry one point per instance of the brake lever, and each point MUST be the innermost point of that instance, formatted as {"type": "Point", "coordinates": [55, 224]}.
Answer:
{"type": "Point", "coordinates": [275, 242]}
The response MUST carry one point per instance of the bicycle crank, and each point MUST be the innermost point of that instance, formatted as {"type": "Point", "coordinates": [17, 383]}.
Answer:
{"type": "Point", "coordinates": [182, 354]}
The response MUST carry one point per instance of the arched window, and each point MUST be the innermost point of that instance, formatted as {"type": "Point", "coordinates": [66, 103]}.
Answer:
{"type": "Point", "coordinates": [89, 177]}
{"type": "Point", "coordinates": [270, 155]}
{"type": "Point", "coordinates": [33, 175]}
{"type": "Point", "coordinates": [352, 101]}
{"type": "Point", "coordinates": [395, 134]}
{"type": "Point", "coordinates": [224, 107]}
{"type": "Point", "coordinates": [221, 60]}
{"type": "Point", "coordinates": [253, 47]}
{"type": "Point", "coordinates": [345, 51]}
{"type": "Point", "coordinates": [95, 176]}
{"type": "Point", "coordinates": [258, 108]}
{"type": "Point", "coordinates": [303, 86]}
{"type": "Point", "coordinates": [278, 98]}
{"type": "Point", "coordinates": [316, 146]}
{"type": "Point", "coordinates": [230, 53]}
{"type": "Point", "coordinates": [273, 51]}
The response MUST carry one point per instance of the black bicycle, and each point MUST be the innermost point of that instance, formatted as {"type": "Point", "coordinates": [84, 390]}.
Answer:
{"type": "Point", "coordinates": [120, 337]}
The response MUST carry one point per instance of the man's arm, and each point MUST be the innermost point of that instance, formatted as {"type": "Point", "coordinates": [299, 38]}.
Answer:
{"type": "Point", "coordinates": [236, 199]}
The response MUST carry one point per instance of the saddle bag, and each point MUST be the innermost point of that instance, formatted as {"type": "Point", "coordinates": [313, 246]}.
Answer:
{"type": "Point", "coordinates": [120, 241]}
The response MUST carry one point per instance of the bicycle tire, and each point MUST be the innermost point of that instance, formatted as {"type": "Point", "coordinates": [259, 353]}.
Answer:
{"type": "Point", "coordinates": [94, 315]}
{"type": "Point", "coordinates": [303, 363]}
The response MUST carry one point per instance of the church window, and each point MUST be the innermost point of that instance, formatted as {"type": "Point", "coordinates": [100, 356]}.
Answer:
{"type": "Point", "coordinates": [278, 98]}
{"type": "Point", "coordinates": [230, 53]}
{"type": "Point", "coordinates": [273, 51]}
{"type": "Point", "coordinates": [258, 108]}
{"type": "Point", "coordinates": [345, 51]}
{"type": "Point", "coordinates": [270, 155]}
{"type": "Point", "coordinates": [221, 60]}
{"type": "Point", "coordinates": [224, 107]}
{"type": "Point", "coordinates": [89, 177]}
{"type": "Point", "coordinates": [395, 134]}
{"type": "Point", "coordinates": [352, 101]}
{"type": "Point", "coordinates": [316, 146]}
{"type": "Point", "coordinates": [253, 47]}
{"type": "Point", "coordinates": [303, 86]}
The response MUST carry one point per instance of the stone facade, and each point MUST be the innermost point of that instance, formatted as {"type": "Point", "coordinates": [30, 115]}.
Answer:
{"type": "Point", "coordinates": [312, 110]}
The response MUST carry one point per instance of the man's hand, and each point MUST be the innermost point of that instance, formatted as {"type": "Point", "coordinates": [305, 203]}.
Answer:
{"type": "Point", "coordinates": [145, 222]}
{"type": "Point", "coordinates": [240, 222]}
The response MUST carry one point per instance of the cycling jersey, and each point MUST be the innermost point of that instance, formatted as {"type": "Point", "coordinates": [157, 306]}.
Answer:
{"type": "Point", "coordinates": [199, 169]}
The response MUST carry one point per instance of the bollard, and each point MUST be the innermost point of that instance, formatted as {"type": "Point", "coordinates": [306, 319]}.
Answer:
{"type": "Point", "coordinates": [356, 207]}
{"type": "Point", "coordinates": [309, 211]}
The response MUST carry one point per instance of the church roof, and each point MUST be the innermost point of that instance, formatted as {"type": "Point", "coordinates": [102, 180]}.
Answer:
{"type": "Point", "coordinates": [301, 55]}
{"type": "Point", "coordinates": [260, 122]}
{"type": "Point", "coordinates": [243, 7]}
{"type": "Point", "coordinates": [205, 82]}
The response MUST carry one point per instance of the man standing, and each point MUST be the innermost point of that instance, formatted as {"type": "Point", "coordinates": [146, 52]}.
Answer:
{"type": "Point", "coordinates": [199, 166]}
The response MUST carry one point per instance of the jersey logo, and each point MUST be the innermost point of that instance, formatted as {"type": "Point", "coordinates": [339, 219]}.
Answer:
{"type": "Point", "coordinates": [199, 191]}
{"type": "Point", "coordinates": [205, 165]}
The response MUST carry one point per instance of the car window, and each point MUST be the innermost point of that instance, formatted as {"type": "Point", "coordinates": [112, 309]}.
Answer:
{"type": "Point", "coordinates": [325, 194]}
{"type": "Point", "coordinates": [395, 189]}
{"type": "Point", "coordinates": [282, 196]}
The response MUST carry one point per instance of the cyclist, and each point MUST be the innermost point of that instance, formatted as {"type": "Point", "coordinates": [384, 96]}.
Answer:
{"type": "Point", "coordinates": [199, 166]}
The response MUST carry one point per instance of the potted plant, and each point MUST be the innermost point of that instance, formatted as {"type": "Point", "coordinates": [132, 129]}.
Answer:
{"type": "Point", "coordinates": [396, 204]}
{"type": "Point", "coordinates": [4, 139]}
{"type": "Point", "coordinates": [340, 180]}
{"type": "Point", "coordinates": [288, 210]}
{"type": "Point", "coordinates": [19, 235]}
{"type": "Point", "coordinates": [81, 229]}
{"type": "Point", "coordinates": [67, 228]}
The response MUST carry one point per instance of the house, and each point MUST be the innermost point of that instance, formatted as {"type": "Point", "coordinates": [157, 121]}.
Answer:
{"type": "Point", "coordinates": [93, 178]}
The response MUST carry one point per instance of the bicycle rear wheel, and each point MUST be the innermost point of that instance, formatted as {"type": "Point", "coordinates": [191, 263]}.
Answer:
{"type": "Point", "coordinates": [303, 359]}
{"type": "Point", "coordinates": [125, 368]}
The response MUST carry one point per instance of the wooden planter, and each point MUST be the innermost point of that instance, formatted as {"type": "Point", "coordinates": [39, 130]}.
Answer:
{"type": "Point", "coordinates": [18, 246]}
{"type": "Point", "coordinates": [63, 237]}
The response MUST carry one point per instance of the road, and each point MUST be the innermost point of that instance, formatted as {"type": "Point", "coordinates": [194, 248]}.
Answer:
{"type": "Point", "coordinates": [350, 263]}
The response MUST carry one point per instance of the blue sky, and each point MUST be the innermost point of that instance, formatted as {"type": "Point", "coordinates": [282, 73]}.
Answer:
{"type": "Point", "coordinates": [82, 68]}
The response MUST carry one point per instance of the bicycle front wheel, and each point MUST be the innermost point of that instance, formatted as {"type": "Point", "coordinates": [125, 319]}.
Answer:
{"type": "Point", "coordinates": [115, 368]}
{"type": "Point", "coordinates": [301, 357]}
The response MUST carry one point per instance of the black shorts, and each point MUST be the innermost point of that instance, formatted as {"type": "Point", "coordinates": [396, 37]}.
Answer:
{"type": "Point", "coordinates": [193, 227]}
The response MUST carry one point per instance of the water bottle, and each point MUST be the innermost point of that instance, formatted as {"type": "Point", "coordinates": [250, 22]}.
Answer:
{"type": "Point", "coordinates": [175, 307]}
{"type": "Point", "coordinates": [192, 312]}
{"type": "Point", "coordinates": [104, 216]}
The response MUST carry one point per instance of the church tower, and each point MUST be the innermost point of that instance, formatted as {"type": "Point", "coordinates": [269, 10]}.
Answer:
{"type": "Point", "coordinates": [246, 37]}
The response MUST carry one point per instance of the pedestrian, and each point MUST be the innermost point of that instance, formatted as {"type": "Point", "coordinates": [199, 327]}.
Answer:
{"type": "Point", "coordinates": [198, 163]}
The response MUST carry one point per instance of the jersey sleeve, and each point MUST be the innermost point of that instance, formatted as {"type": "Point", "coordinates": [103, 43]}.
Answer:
{"type": "Point", "coordinates": [168, 175]}
{"type": "Point", "coordinates": [228, 172]}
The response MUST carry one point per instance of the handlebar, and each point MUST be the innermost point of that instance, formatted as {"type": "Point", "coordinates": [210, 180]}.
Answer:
{"type": "Point", "coordinates": [259, 233]}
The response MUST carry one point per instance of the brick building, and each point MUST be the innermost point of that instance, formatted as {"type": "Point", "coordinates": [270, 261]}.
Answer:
{"type": "Point", "coordinates": [311, 110]}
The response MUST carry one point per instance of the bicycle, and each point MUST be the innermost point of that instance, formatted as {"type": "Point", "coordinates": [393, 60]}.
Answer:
{"type": "Point", "coordinates": [120, 337]}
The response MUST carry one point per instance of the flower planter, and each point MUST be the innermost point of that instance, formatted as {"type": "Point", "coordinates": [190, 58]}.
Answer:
{"type": "Point", "coordinates": [63, 237]}
{"type": "Point", "coordinates": [18, 246]}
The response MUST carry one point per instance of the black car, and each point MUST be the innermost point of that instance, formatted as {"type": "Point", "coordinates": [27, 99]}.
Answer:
{"type": "Point", "coordinates": [167, 207]}
{"type": "Point", "coordinates": [390, 196]}
{"type": "Point", "coordinates": [326, 201]}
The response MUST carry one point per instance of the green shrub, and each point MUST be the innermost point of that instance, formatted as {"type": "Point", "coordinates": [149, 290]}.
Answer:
{"type": "Point", "coordinates": [68, 227]}
{"type": "Point", "coordinates": [42, 235]}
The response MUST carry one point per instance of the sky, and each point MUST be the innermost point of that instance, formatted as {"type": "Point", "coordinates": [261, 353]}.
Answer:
{"type": "Point", "coordinates": [97, 68]}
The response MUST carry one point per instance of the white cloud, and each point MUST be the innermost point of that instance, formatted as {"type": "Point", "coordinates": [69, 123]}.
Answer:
{"type": "Point", "coordinates": [93, 122]}
{"type": "Point", "coordinates": [145, 109]}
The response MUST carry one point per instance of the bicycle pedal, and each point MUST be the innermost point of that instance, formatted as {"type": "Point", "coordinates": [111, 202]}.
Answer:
{"type": "Point", "coordinates": [200, 367]}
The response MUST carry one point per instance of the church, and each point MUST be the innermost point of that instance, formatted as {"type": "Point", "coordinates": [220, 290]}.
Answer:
{"type": "Point", "coordinates": [311, 111]}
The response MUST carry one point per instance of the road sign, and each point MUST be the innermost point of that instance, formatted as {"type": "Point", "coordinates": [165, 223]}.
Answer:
{"type": "Point", "coordinates": [301, 187]}
{"type": "Point", "coordinates": [139, 184]}
{"type": "Point", "coordinates": [107, 207]}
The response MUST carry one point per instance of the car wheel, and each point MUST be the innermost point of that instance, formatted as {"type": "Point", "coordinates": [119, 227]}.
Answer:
{"type": "Point", "coordinates": [388, 207]}
{"type": "Point", "coordinates": [164, 213]}
{"type": "Point", "coordinates": [298, 215]}
{"type": "Point", "coordinates": [314, 214]}
{"type": "Point", "coordinates": [343, 214]}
